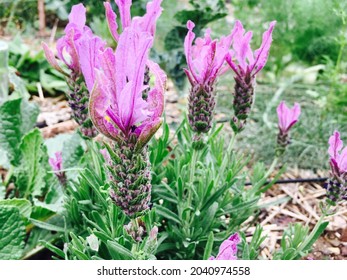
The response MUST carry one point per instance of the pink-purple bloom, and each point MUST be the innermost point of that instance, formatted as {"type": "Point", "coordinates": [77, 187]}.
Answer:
{"type": "Point", "coordinates": [228, 249]}
{"type": "Point", "coordinates": [287, 117]}
{"type": "Point", "coordinates": [78, 48]}
{"type": "Point", "coordinates": [242, 60]}
{"type": "Point", "coordinates": [206, 58]}
{"type": "Point", "coordinates": [126, 108]}
{"type": "Point", "coordinates": [205, 61]}
{"type": "Point", "coordinates": [56, 163]}
{"type": "Point", "coordinates": [338, 154]}
{"type": "Point", "coordinates": [246, 64]}
{"type": "Point", "coordinates": [336, 184]}
{"type": "Point", "coordinates": [117, 106]}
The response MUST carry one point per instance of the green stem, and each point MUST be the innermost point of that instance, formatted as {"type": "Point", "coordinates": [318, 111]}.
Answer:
{"type": "Point", "coordinates": [135, 246]}
{"type": "Point", "coordinates": [339, 57]}
{"type": "Point", "coordinates": [192, 175]}
{"type": "Point", "coordinates": [226, 158]}
{"type": "Point", "coordinates": [8, 176]}
{"type": "Point", "coordinates": [272, 167]}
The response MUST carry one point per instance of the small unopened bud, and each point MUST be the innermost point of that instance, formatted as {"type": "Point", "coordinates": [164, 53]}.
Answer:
{"type": "Point", "coordinates": [137, 229]}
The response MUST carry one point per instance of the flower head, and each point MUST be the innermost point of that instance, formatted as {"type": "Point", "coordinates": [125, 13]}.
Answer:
{"type": "Point", "coordinates": [117, 107]}
{"type": "Point", "coordinates": [336, 184]}
{"type": "Point", "coordinates": [246, 64]}
{"type": "Point", "coordinates": [78, 47]}
{"type": "Point", "coordinates": [56, 163]}
{"type": "Point", "coordinates": [287, 117]}
{"type": "Point", "coordinates": [247, 61]}
{"type": "Point", "coordinates": [205, 59]}
{"type": "Point", "coordinates": [338, 154]}
{"type": "Point", "coordinates": [228, 249]}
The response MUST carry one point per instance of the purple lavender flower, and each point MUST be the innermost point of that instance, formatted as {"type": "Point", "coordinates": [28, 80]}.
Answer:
{"type": "Point", "coordinates": [246, 65]}
{"type": "Point", "coordinates": [118, 111]}
{"type": "Point", "coordinates": [286, 119]}
{"type": "Point", "coordinates": [228, 249]}
{"type": "Point", "coordinates": [205, 60]}
{"type": "Point", "coordinates": [56, 163]}
{"type": "Point", "coordinates": [336, 185]}
{"type": "Point", "coordinates": [125, 108]}
{"type": "Point", "coordinates": [78, 50]}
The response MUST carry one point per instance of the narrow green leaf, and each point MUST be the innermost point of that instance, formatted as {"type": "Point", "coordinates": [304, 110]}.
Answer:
{"type": "Point", "coordinates": [208, 217]}
{"type": "Point", "coordinates": [216, 196]}
{"type": "Point", "coordinates": [116, 250]}
{"type": "Point", "coordinates": [54, 249]}
{"type": "Point", "coordinates": [314, 238]}
{"type": "Point", "coordinates": [209, 246]}
{"type": "Point", "coordinates": [46, 226]}
{"type": "Point", "coordinates": [166, 213]}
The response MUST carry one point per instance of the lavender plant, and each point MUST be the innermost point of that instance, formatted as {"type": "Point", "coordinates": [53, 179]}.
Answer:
{"type": "Point", "coordinates": [178, 196]}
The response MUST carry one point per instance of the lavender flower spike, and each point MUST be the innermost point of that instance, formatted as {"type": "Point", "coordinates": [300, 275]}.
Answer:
{"type": "Point", "coordinates": [119, 111]}
{"type": "Point", "coordinates": [78, 48]}
{"type": "Point", "coordinates": [228, 249]}
{"type": "Point", "coordinates": [286, 119]}
{"type": "Point", "coordinates": [205, 60]}
{"type": "Point", "coordinates": [246, 64]}
{"type": "Point", "coordinates": [336, 185]}
{"type": "Point", "coordinates": [56, 163]}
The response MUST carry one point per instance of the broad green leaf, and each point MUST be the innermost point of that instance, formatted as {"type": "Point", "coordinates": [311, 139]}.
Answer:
{"type": "Point", "coordinates": [72, 151]}
{"type": "Point", "coordinates": [18, 85]}
{"type": "Point", "coordinates": [12, 234]}
{"type": "Point", "coordinates": [10, 129]}
{"type": "Point", "coordinates": [29, 113]}
{"type": "Point", "coordinates": [17, 117]}
{"type": "Point", "coordinates": [31, 174]}
{"type": "Point", "coordinates": [23, 205]}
